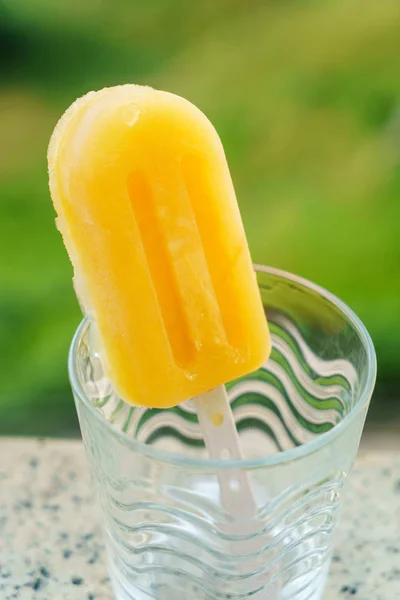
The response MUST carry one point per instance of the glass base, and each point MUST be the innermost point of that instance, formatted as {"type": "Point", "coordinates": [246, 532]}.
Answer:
{"type": "Point", "coordinates": [172, 585]}
{"type": "Point", "coordinates": [307, 587]}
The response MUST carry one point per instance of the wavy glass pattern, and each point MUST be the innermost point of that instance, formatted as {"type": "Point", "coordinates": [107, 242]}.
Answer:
{"type": "Point", "coordinates": [167, 531]}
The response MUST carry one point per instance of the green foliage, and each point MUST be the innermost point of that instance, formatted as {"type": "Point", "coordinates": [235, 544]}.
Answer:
{"type": "Point", "coordinates": [305, 96]}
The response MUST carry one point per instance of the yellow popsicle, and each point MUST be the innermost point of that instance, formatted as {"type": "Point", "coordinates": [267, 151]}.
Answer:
{"type": "Point", "coordinates": [148, 214]}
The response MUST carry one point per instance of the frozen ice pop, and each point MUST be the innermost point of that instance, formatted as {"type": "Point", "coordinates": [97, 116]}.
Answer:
{"type": "Point", "coordinates": [148, 214]}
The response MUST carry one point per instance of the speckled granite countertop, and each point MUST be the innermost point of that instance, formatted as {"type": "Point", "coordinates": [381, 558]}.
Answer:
{"type": "Point", "coordinates": [51, 546]}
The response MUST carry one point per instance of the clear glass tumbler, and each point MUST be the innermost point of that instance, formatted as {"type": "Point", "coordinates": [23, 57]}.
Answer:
{"type": "Point", "coordinates": [299, 418]}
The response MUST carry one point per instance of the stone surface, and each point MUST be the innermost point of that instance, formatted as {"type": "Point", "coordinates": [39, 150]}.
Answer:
{"type": "Point", "coordinates": [51, 546]}
{"type": "Point", "coordinates": [366, 559]}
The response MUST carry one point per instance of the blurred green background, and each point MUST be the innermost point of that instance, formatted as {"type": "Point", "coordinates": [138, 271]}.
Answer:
{"type": "Point", "coordinates": [306, 98]}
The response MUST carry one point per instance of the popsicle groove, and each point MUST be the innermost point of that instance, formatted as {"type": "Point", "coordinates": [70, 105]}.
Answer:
{"type": "Point", "coordinates": [168, 298]}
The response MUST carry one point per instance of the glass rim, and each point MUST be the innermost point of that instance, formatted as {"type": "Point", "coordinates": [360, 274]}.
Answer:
{"type": "Point", "coordinates": [271, 460]}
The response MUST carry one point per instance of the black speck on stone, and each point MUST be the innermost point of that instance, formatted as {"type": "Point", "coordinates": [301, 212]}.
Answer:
{"type": "Point", "coordinates": [87, 536]}
{"type": "Point", "coordinates": [26, 504]}
{"type": "Point", "coordinates": [336, 558]}
{"type": "Point", "coordinates": [77, 580]}
{"type": "Point", "coordinates": [5, 575]}
{"type": "Point", "coordinates": [37, 584]}
{"type": "Point", "coordinates": [90, 597]}
{"type": "Point", "coordinates": [44, 572]}
{"type": "Point", "coordinates": [393, 575]}
{"type": "Point", "coordinates": [347, 589]}
{"type": "Point", "coordinates": [93, 559]}
{"type": "Point", "coordinates": [64, 535]}
{"type": "Point", "coordinates": [67, 553]}
{"type": "Point", "coordinates": [33, 463]}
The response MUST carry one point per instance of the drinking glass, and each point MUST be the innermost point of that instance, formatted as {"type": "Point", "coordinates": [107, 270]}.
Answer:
{"type": "Point", "coordinates": [299, 418]}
